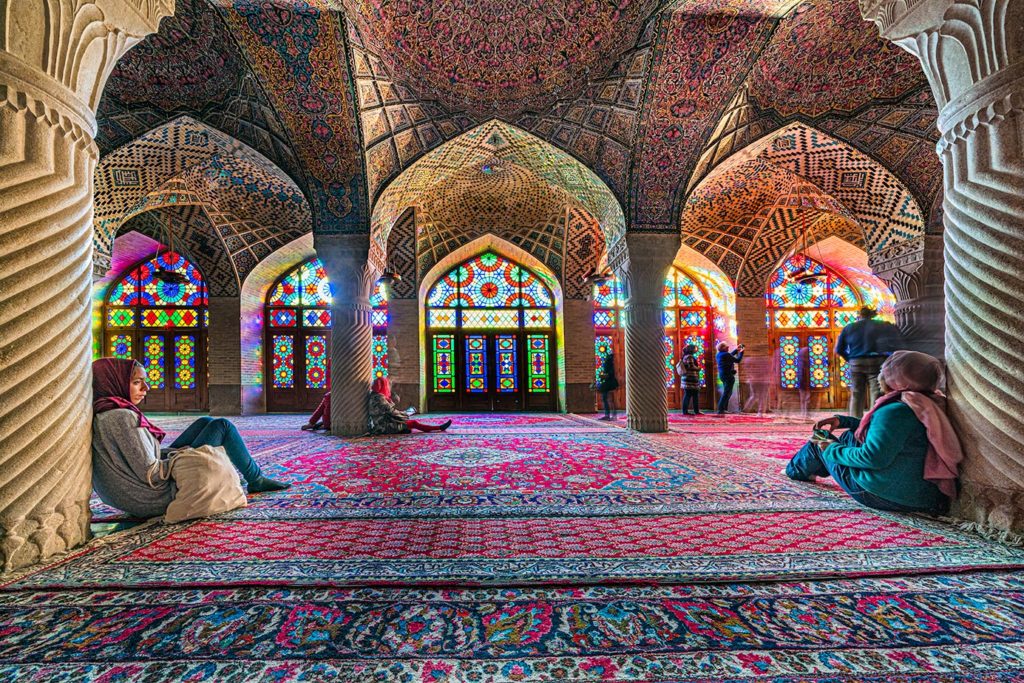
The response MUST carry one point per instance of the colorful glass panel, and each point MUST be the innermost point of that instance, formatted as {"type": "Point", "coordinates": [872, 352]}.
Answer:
{"type": "Point", "coordinates": [538, 368]}
{"type": "Point", "coordinates": [476, 363]}
{"type": "Point", "coordinates": [507, 359]}
{"type": "Point", "coordinates": [534, 318]}
{"type": "Point", "coordinates": [169, 317]}
{"type": "Point", "coordinates": [379, 318]}
{"type": "Point", "coordinates": [608, 294]}
{"type": "Point", "coordinates": [789, 356]}
{"type": "Point", "coordinates": [379, 298]}
{"type": "Point", "coordinates": [533, 292]}
{"type": "Point", "coordinates": [120, 317]}
{"type": "Point", "coordinates": [121, 345]}
{"type": "Point", "coordinates": [316, 289]}
{"type": "Point", "coordinates": [841, 294]}
{"type": "Point", "coordinates": [317, 317]}
{"type": "Point", "coordinates": [785, 292]}
{"type": "Point", "coordinates": [283, 317]}
{"type": "Point", "coordinates": [286, 292]}
{"type": "Point", "coordinates": [790, 320]}
{"type": "Point", "coordinates": [602, 347]}
{"type": "Point", "coordinates": [489, 281]}
{"type": "Point", "coordinates": [153, 360]}
{"type": "Point", "coordinates": [490, 318]}
{"type": "Point", "coordinates": [844, 318]}
{"type": "Point", "coordinates": [316, 361]}
{"type": "Point", "coordinates": [604, 317]}
{"type": "Point", "coordinates": [283, 361]}
{"type": "Point", "coordinates": [668, 317]}
{"type": "Point", "coordinates": [184, 361]}
{"type": "Point", "coordinates": [443, 349]}
{"type": "Point", "coordinates": [693, 319]}
{"type": "Point", "coordinates": [698, 341]}
{"type": "Point", "coordinates": [818, 356]}
{"type": "Point", "coordinates": [844, 373]}
{"type": "Point", "coordinates": [669, 355]}
{"type": "Point", "coordinates": [688, 293]}
{"type": "Point", "coordinates": [379, 351]}
{"type": "Point", "coordinates": [441, 318]}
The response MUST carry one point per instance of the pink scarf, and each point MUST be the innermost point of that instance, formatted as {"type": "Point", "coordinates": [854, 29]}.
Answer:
{"type": "Point", "coordinates": [111, 386]}
{"type": "Point", "coordinates": [944, 452]}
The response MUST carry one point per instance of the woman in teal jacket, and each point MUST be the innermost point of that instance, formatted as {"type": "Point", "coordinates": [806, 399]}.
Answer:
{"type": "Point", "coordinates": [903, 455]}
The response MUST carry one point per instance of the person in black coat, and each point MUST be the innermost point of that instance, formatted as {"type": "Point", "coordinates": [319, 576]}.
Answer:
{"type": "Point", "coordinates": [606, 384]}
{"type": "Point", "coordinates": [726, 361]}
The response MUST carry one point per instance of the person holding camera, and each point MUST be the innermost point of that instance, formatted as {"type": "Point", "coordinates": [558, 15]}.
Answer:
{"type": "Point", "coordinates": [903, 455]}
{"type": "Point", "coordinates": [727, 361]}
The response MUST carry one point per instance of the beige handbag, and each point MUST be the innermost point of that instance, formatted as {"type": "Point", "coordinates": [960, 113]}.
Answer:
{"type": "Point", "coordinates": [207, 483]}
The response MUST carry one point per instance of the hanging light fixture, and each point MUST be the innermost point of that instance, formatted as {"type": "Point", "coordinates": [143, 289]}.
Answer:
{"type": "Point", "coordinates": [171, 277]}
{"type": "Point", "coordinates": [597, 277]}
{"type": "Point", "coordinates": [390, 277]}
{"type": "Point", "coordinates": [804, 275]}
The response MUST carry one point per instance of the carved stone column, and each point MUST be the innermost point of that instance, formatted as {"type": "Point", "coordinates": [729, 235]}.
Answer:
{"type": "Point", "coordinates": [55, 56]}
{"type": "Point", "coordinates": [649, 258]}
{"type": "Point", "coordinates": [345, 259]}
{"type": "Point", "coordinates": [973, 55]}
{"type": "Point", "coordinates": [913, 271]}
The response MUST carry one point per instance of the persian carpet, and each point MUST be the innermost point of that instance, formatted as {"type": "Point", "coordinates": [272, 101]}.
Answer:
{"type": "Point", "coordinates": [520, 551]}
{"type": "Point", "coordinates": [933, 629]}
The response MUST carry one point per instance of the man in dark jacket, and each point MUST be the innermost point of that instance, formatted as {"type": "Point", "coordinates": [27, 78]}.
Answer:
{"type": "Point", "coordinates": [726, 361]}
{"type": "Point", "coordinates": [865, 344]}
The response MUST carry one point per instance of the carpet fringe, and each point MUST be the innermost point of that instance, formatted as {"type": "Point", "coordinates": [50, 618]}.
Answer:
{"type": "Point", "coordinates": [987, 531]}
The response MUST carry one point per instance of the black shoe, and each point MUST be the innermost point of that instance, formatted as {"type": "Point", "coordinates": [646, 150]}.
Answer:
{"type": "Point", "coordinates": [445, 425]}
{"type": "Point", "coordinates": [264, 484]}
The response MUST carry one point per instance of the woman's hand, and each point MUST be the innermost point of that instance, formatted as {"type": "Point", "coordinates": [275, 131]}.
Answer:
{"type": "Point", "coordinates": [829, 423]}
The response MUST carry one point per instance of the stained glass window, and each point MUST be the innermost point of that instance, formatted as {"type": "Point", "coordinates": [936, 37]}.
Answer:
{"type": "Point", "coordinates": [380, 355]}
{"type": "Point", "coordinates": [681, 290]}
{"type": "Point", "coordinates": [443, 349]}
{"type": "Point", "coordinates": [476, 363]}
{"type": "Point", "coordinates": [316, 361]}
{"type": "Point", "coordinates": [689, 316]}
{"type": "Point", "coordinates": [698, 340]}
{"type": "Point", "coordinates": [668, 353]}
{"type": "Point", "coordinates": [153, 359]}
{"type": "Point", "coordinates": [490, 281]}
{"type": "Point", "coordinates": [184, 361]}
{"type": "Point", "coordinates": [283, 362]}
{"type": "Point", "coordinates": [809, 303]}
{"type": "Point", "coordinates": [539, 372]}
{"type": "Point", "coordinates": [160, 321]}
{"type": "Point", "coordinates": [602, 347]}
{"type": "Point", "coordinates": [507, 362]}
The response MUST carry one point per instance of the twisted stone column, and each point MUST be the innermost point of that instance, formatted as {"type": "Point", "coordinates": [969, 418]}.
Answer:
{"type": "Point", "coordinates": [973, 54]}
{"type": "Point", "coordinates": [345, 259]}
{"type": "Point", "coordinates": [649, 258]}
{"type": "Point", "coordinates": [55, 56]}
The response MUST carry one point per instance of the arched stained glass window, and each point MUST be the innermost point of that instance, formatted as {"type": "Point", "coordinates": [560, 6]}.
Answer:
{"type": "Point", "coordinates": [490, 335]}
{"type": "Point", "coordinates": [808, 305]}
{"type": "Point", "coordinates": [298, 337]}
{"type": "Point", "coordinates": [156, 313]}
{"type": "Point", "coordinates": [689, 319]}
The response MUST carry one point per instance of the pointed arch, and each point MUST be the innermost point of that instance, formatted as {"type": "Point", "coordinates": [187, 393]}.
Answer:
{"type": "Point", "coordinates": [487, 156]}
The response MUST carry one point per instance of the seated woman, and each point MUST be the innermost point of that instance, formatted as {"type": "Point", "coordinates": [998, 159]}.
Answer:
{"type": "Point", "coordinates": [903, 455]}
{"type": "Point", "coordinates": [385, 418]}
{"type": "Point", "coordinates": [321, 417]}
{"type": "Point", "coordinates": [126, 446]}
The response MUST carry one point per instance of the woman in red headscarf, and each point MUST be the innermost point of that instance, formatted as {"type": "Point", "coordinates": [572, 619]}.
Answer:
{"type": "Point", "coordinates": [385, 418]}
{"type": "Point", "coordinates": [126, 445]}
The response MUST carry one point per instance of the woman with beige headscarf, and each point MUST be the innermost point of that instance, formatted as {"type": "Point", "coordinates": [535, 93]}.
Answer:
{"type": "Point", "coordinates": [903, 455]}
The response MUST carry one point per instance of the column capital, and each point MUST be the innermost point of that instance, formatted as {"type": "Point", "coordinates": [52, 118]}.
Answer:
{"type": "Point", "coordinates": [647, 258]}
{"type": "Point", "coordinates": [345, 258]}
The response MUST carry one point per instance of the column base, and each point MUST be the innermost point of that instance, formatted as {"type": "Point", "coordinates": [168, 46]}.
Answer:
{"type": "Point", "coordinates": [649, 425]}
{"type": "Point", "coordinates": [1002, 508]}
{"type": "Point", "coordinates": [347, 428]}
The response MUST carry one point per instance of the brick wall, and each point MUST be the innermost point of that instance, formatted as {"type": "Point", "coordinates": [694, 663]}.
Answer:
{"type": "Point", "coordinates": [752, 332]}
{"type": "Point", "coordinates": [578, 345]}
{"type": "Point", "coordinates": [225, 355]}
{"type": "Point", "coordinates": [404, 351]}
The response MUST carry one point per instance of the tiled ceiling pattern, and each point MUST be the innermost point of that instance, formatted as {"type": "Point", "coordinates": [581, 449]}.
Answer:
{"type": "Point", "coordinates": [397, 125]}
{"type": "Point", "coordinates": [490, 150]}
{"type": "Point", "coordinates": [192, 67]}
{"type": "Point", "coordinates": [496, 58]}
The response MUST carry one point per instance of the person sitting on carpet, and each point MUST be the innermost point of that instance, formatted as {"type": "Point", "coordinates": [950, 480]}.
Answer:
{"type": "Point", "coordinates": [903, 455]}
{"type": "Point", "coordinates": [321, 417]}
{"type": "Point", "coordinates": [385, 418]}
{"type": "Point", "coordinates": [126, 446]}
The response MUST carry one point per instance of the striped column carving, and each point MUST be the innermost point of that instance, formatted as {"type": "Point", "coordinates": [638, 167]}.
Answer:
{"type": "Point", "coordinates": [345, 259]}
{"type": "Point", "coordinates": [649, 258]}
{"type": "Point", "coordinates": [973, 54]}
{"type": "Point", "coordinates": [55, 56]}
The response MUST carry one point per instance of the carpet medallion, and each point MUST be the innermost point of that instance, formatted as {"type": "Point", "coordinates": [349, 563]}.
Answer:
{"type": "Point", "coordinates": [929, 628]}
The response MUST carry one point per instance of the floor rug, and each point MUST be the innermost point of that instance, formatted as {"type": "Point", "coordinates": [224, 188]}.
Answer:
{"type": "Point", "coordinates": [923, 629]}
{"type": "Point", "coordinates": [444, 475]}
{"type": "Point", "coordinates": [523, 551]}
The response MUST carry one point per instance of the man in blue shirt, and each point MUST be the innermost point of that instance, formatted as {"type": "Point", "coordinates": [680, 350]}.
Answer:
{"type": "Point", "coordinates": [726, 361]}
{"type": "Point", "coordinates": [865, 344]}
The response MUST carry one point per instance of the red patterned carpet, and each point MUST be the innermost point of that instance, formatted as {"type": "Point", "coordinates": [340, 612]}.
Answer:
{"type": "Point", "coordinates": [646, 535]}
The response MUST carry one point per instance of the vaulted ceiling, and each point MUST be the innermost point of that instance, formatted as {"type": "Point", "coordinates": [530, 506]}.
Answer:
{"type": "Point", "coordinates": [651, 96]}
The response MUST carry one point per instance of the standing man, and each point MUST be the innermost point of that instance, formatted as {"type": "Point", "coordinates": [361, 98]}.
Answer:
{"type": "Point", "coordinates": [726, 361]}
{"type": "Point", "coordinates": [865, 344]}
